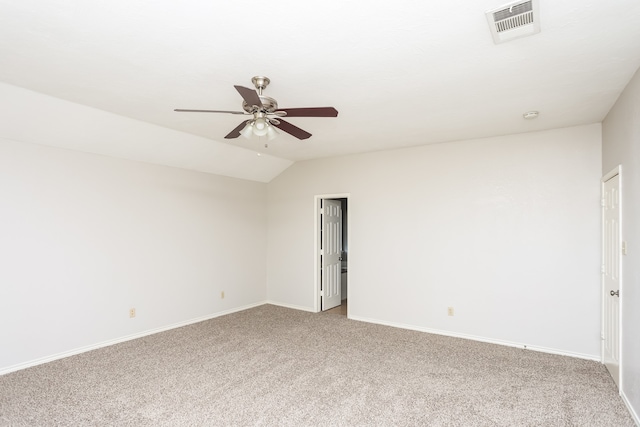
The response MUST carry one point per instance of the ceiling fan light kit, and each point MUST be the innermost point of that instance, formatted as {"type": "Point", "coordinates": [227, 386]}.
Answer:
{"type": "Point", "coordinates": [259, 127]}
{"type": "Point", "coordinates": [261, 108]}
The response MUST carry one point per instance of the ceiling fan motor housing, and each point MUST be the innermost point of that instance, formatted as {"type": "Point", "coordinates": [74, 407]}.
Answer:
{"type": "Point", "coordinates": [269, 105]}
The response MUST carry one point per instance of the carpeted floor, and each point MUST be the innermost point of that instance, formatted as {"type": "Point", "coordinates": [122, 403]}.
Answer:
{"type": "Point", "coordinates": [272, 366]}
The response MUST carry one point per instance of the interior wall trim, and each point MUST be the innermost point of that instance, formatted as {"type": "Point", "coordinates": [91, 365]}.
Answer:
{"type": "Point", "coordinates": [635, 416]}
{"type": "Point", "coordinates": [79, 350]}
{"type": "Point", "coordinates": [594, 357]}
{"type": "Point", "coordinates": [292, 306]}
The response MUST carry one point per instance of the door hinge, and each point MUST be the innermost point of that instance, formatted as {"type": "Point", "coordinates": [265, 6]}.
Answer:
{"type": "Point", "coordinates": [603, 269]}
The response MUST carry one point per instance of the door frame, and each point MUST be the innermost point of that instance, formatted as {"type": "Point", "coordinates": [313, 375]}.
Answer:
{"type": "Point", "coordinates": [616, 171]}
{"type": "Point", "coordinates": [316, 245]}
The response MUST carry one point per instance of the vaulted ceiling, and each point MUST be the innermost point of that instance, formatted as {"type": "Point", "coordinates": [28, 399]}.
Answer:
{"type": "Point", "coordinates": [400, 73]}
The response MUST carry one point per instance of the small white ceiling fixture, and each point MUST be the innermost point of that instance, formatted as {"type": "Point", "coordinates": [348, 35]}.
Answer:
{"type": "Point", "coordinates": [530, 115]}
{"type": "Point", "coordinates": [514, 20]}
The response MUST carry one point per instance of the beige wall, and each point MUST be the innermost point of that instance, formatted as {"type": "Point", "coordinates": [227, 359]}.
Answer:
{"type": "Point", "coordinates": [505, 230]}
{"type": "Point", "coordinates": [85, 237]}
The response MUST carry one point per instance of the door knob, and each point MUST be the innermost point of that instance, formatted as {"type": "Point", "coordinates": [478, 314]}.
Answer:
{"type": "Point", "coordinates": [616, 293]}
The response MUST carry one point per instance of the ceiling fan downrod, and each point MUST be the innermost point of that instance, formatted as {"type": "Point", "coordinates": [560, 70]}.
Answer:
{"type": "Point", "coordinates": [260, 82]}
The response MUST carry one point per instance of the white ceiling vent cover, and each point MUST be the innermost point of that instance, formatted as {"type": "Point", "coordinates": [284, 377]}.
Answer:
{"type": "Point", "coordinates": [514, 20]}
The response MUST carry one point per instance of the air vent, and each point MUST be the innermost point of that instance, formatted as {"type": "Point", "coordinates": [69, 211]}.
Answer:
{"type": "Point", "coordinates": [514, 20]}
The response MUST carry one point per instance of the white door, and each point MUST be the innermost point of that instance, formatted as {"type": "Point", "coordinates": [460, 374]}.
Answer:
{"type": "Point", "coordinates": [330, 253]}
{"type": "Point", "coordinates": [611, 276]}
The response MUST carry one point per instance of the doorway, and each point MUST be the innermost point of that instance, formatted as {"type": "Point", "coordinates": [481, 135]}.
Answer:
{"type": "Point", "coordinates": [331, 223]}
{"type": "Point", "coordinates": [613, 247]}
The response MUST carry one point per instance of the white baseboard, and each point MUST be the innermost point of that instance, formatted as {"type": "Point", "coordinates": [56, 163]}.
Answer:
{"type": "Point", "coordinates": [294, 307]}
{"type": "Point", "coordinates": [84, 349]}
{"type": "Point", "coordinates": [478, 338]}
{"type": "Point", "coordinates": [633, 413]}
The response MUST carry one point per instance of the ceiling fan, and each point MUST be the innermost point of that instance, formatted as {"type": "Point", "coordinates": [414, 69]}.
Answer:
{"type": "Point", "coordinates": [266, 114]}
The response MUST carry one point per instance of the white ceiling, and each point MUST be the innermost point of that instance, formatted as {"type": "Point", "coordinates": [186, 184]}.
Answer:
{"type": "Point", "coordinates": [401, 73]}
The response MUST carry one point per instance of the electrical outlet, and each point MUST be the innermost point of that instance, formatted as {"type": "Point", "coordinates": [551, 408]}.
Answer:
{"type": "Point", "coordinates": [450, 311]}
{"type": "Point", "coordinates": [222, 295]}
{"type": "Point", "coordinates": [132, 312]}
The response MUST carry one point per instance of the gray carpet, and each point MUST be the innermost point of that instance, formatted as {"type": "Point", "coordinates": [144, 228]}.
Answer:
{"type": "Point", "coordinates": [272, 366]}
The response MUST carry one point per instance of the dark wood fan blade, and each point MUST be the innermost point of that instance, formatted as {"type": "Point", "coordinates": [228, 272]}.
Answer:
{"type": "Point", "coordinates": [310, 112]}
{"type": "Point", "coordinates": [236, 132]}
{"type": "Point", "coordinates": [249, 95]}
{"type": "Point", "coordinates": [181, 110]}
{"type": "Point", "coordinates": [291, 129]}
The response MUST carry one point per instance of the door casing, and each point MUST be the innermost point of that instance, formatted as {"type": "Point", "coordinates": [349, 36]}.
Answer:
{"type": "Point", "coordinates": [316, 244]}
{"type": "Point", "coordinates": [617, 171]}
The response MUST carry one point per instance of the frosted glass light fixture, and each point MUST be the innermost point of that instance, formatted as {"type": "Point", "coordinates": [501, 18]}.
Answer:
{"type": "Point", "coordinates": [247, 131]}
{"type": "Point", "coordinates": [259, 126]}
{"type": "Point", "coordinates": [271, 132]}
